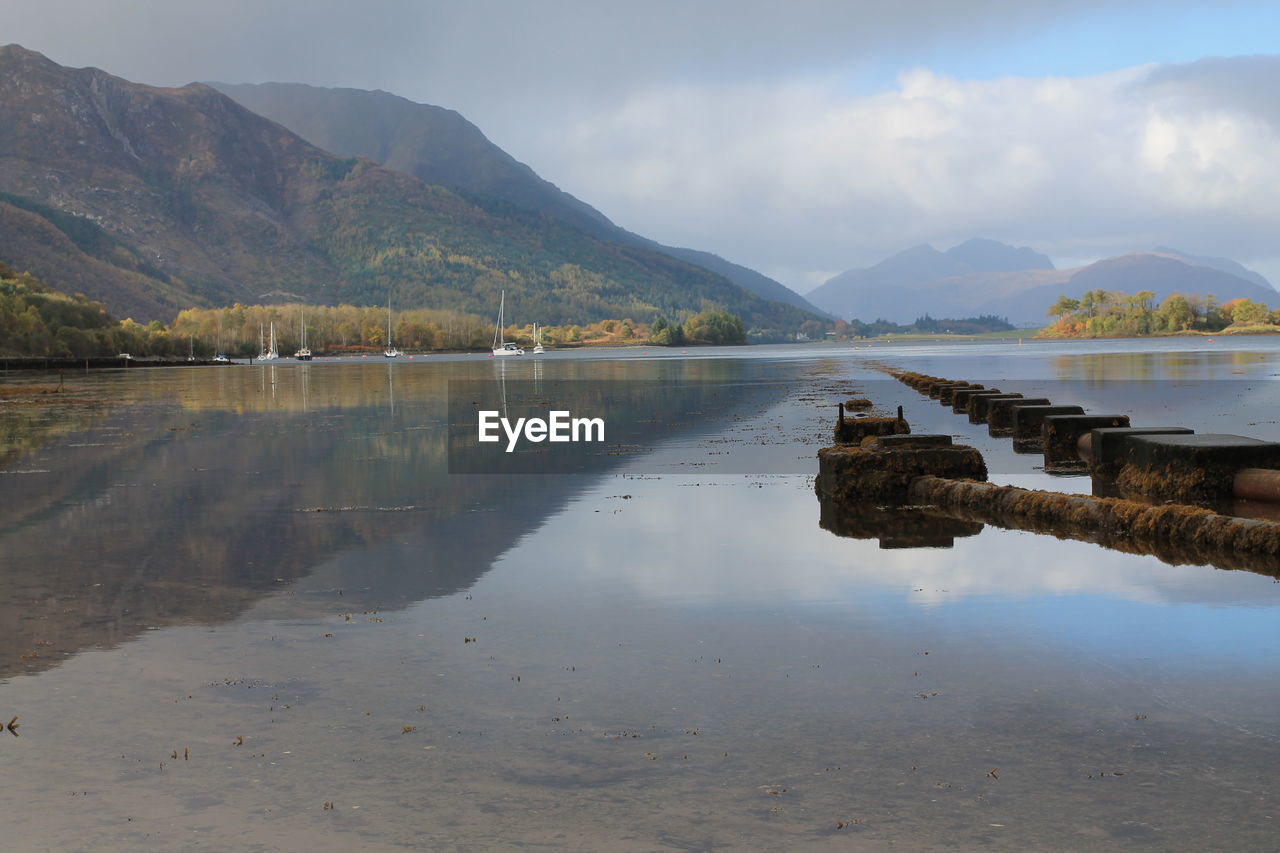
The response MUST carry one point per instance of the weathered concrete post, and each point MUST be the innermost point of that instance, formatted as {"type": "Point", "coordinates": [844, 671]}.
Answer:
{"type": "Point", "coordinates": [1028, 425]}
{"type": "Point", "coordinates": [1000, 413]}
{"type": "Point", "coordinates": [1103, 448]}
{"type": "Point", "coordinates": [960, 399]}
{"type": "Point", "coordinates": [881, 470]}
{"type": "Point", "coordinates": [1060, 434]}
{"type": "Point", "coordinates": [1192, 468]}
{"type": "Point", "coordinates": [979, 404]}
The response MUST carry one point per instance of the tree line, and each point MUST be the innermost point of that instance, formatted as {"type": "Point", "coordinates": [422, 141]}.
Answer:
{"type": "Point", "coordinates": [38, 320]}
{"type": "Point", "coordinates": [1108, 312]}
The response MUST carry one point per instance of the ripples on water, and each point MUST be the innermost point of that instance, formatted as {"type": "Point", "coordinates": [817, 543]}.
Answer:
{"type": "Point", "coordinates": [234, 597]}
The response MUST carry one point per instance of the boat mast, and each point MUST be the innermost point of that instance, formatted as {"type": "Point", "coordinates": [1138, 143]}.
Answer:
{"type": "Point", "coordinates": [497, 333]}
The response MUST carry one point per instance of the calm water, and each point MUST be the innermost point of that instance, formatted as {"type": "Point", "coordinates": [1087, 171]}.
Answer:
{"type": "Point", "coordinates": [250, 608]}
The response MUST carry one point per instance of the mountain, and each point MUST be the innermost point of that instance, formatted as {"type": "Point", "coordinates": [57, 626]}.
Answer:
{"type": "Point", "coordinates": [1162, 274]}
{"type": "Point", "coordinates": [1221, 264]}
{"type": "Point", "coordinates": [992, 256]}
{"type": "Point", "coordinates": [886, 290]}
{"type": "Point", "coordinates": [432, 143]}
{"type": "Point", "coordinates": [984, 277]}
{"type": "Point", "coordinates": [173, 197]}
{"type": "Point", "coordinates": [441, 147]}
{"type": "Point", "coordinates": [57, 246]}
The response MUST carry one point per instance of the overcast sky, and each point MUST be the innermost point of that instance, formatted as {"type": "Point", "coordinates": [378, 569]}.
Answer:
{"type": "Point", "coordinates": [800, 138]}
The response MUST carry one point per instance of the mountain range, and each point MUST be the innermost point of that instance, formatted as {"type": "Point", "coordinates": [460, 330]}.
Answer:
{"type": "Point", "coordinates": [154, 199]}
{"type": "Point", "coordinates": [441, 147]}
{"type": "Point", "coordinates": [987, 277]}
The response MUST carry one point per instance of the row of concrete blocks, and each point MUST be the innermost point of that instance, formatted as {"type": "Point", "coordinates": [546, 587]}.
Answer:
{"type": "Point", "coordinates": [913, 491]}
{"type": "Point", "coordinates": [1169, 463]}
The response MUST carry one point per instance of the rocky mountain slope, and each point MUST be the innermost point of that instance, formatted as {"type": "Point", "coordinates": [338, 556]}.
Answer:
{"type": "Point", "coordinates": [197, 200]}
{"type": "Point", "coordinates": [441, 147]}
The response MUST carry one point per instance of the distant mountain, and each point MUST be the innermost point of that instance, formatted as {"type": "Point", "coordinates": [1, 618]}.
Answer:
{"type": "Point", "coordinates": [992, 256]}
{"type": "Point", "coordinates": [985, 277]}
{"type": "Point", "coordinates": [150, 199]}
{"type": "Point", "coordinates": [887, 290]}
{"type": "Point", "coordinates": [441, 147]}
{"type": "Point", "coordinates": [1221, 264]}
{"type": "Point", "coordinates": [1162, 274]}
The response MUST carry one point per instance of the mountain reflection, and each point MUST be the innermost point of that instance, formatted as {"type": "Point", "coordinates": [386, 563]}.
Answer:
{"type": "Point", "coordinates": [198, 492]}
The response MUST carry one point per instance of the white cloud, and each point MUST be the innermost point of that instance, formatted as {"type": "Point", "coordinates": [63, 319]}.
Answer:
{"type": "Point", "coordinates": [743, 126]}
{"type": "Point", "coordinates": [803, 176]}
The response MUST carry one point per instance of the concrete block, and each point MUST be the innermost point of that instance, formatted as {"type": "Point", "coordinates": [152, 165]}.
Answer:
{"type": "Point", "coordinates": [1060, 434]}
{"type": "Point", "coordinates": [1107, 446]}
{"type": "Point", "coordinates": [946, 394]}
{"type": "Point", "coordinates": [1191, 468]}
{"type": "Point", "coordinates": [960, 398]}
{"type": "Point", "coordinates": [979, 403]}
{"type": "Point", "coordinates": [1028, 424]}
{"type": "Point", "coordinates": [881, 472]}
{"type": "Point", "coordinates": [854, 430]}
{"type": "Point", "coordinates": [1000, 413]}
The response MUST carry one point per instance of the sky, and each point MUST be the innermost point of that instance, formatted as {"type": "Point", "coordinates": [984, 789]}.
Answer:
{"type": "Point", "coordinates": [800, 139]}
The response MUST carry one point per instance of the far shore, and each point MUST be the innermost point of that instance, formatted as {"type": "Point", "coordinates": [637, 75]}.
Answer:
{"type": "Point", "coordinates": [1034, 336]}
{"type": "Point", "coordinates": [1185, 333]}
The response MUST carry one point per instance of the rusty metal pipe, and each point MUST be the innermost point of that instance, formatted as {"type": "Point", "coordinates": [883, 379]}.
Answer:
{"type": "Point", "coordinates": [1257, 484]}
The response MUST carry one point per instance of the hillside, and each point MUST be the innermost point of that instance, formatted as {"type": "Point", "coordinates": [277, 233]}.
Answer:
{"type": "Point", "coordinates": [983, 277]}
{"type": "Point", "coordinates": [225, 205]}
{"type": "Point", "coordinates": [441, 147]}
{"type": "Point", "coordinates": [57, 246]}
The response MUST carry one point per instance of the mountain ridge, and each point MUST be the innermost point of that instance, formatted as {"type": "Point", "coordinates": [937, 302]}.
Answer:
{"type": "Point", "coordinates": [441, 146]}
{"type": "Point", "coordinates": [921, 280]}
{"type": "Point", "coordinates": [209, 203]}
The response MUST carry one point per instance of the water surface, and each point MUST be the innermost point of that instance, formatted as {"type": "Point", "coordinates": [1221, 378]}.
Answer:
{"type": "Point", "coordinates": [270, 573]}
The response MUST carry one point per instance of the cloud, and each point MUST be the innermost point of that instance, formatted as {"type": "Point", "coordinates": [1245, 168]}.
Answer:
{"type": "Point", "coordinates": [747, 127]}
{"type": "Point", "coordinates": [804, 173]}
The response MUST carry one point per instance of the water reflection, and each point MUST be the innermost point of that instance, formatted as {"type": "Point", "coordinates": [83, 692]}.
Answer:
{"type": "Point", "coordinates": [217, 487]}
{"type": "Point", "coordinates": [894, 527]}
{"type": "Point", "coordinates": [660, 648]}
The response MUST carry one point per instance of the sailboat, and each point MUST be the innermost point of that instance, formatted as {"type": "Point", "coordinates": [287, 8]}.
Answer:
{"type": "Point", "coordinates": [267, 353]}
{"type": "Point", "coordinates": [390, 351]}
{"type": "Point", "coordinates": [538, 348]}
{"type": "Point", "coordinates": [500, 346]}
{"type": "Point", "coordinates": [303, 354]}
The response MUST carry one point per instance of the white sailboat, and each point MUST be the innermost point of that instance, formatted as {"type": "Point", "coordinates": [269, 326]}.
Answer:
{"type": "Point", "coordinates": [538, 348]}
{"type": "Point", "coordinates": [500, 346]}
{"type": "Point", "coordinates": [390, 351]}
{"type": "Point", "coordinates": [303, 354]}
{"type": "Point", "coordinates": [267, 353]}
